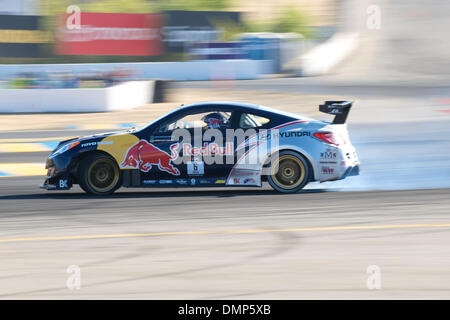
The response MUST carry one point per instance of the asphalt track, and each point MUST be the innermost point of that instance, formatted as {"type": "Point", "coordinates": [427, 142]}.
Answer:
{"type": "Point", "coordinates": [255, 243]}
{"type": "Point", "coordinates": [223, 243]}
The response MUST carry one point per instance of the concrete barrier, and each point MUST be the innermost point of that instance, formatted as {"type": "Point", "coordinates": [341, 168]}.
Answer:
{"type": "Point", "coordinates": [127, 95]}
{"type": "Point", "coordinates": [123, 96]}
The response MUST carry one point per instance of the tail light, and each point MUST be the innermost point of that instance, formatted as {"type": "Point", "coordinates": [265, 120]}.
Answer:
{"type": "Point", "coordinates": [327, 137]}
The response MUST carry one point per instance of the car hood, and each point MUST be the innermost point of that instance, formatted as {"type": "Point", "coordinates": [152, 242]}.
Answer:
{"type": "Point", "coordinates": [94, 136]}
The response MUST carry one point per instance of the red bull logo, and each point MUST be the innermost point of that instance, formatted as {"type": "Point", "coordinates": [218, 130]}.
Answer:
{"type": "Point", "coordinates": [143, 155]}
{"type": "Point", "coordinates": [208, 149]}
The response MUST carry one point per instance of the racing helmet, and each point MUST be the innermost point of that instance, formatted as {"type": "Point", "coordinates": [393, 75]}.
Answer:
{"type": "Point", "coordinates": [214, 120]}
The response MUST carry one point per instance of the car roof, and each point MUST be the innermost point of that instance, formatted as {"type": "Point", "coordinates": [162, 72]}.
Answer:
{"type": "Point", "coordinates": [222, 103]}
{"type": "Point", "coordinates": [244, 106]}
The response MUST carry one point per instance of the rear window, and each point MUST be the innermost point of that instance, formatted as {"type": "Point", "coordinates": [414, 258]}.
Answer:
{"type": "Point", "coordinates": [248, 121]}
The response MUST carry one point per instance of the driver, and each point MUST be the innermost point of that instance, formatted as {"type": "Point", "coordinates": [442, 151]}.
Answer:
{"type": "Point", "coordinates": [214, 120]}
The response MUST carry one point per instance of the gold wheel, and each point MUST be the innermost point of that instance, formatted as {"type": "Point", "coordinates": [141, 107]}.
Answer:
{"type": "Point", "coordinates": [288, 172]}
{"type": "Point", "coordinates": [103, 175]}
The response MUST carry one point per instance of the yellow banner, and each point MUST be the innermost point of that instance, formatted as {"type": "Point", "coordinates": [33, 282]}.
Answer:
{"type": "Point", "coordinates": [24, 36]}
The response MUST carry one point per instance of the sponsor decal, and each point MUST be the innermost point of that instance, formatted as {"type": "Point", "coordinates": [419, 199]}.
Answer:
{"type": "Point", "coordinates": [327, 170]}
{"type": "Point", "coordinates": [92, 33]}
{"type": "Point", "coordinates": [335, 111]}
{"type": "Point", "coordinates": [63, 183]}
{"type": "Point", "coordinates": [149, 181]}
{"type": "Point", "coordinates": [165, 181]}
{"type": "Point", "coordinates": [183, 28]}
{"type": "Point", "coordinates": [291, 134]}
{"type": "Point", "coordinates": [220, 181]}
{"type": "Point", "coordinates": [245, 173]}
{"type": "Point", "coordinates": [287, 134]}
{"type": "Point", "coordinates": [91, 144]}
{"type": "Point", "coordinates": [249, 180]}
{"type": "Point", "coordinates": [329, 155]}
{"type": "Point", "coordinates": [193, 181]}
{"type": "Point", "coordinates": [236, 180]}
{"type": "Point", "coordinates": [208, 149]}
{"type": "Point", "coordinates": [181, 181]}
{"type": "Point", "coordinates": [142, 155]}
{"type": "Point", "coordinates": [204, 181]}
{"type": "Point", "coordinates": [195, 168]}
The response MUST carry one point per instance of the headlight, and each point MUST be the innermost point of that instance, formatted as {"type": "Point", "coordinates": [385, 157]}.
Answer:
{"type": "Point", "coordinates": [64, 148]}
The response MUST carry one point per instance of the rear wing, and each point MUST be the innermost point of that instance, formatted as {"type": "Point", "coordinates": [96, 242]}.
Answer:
{"type": "Point", "coordinates": [339, 108]}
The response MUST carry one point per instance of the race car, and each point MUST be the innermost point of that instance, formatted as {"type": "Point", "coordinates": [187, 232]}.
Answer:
{"type": "Point", "coordinates": [210, 144]}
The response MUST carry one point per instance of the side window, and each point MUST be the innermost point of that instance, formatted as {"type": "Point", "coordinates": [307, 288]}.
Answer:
{"type": "Point", "coordinates": [204, 120]}
{"type": "Point", "coordinates": [248, 121]}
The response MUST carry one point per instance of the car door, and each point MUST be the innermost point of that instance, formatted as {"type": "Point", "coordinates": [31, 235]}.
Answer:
{"type": "Point", "coordinates": [218, 138]}
{"type": "Point", "coordinates": [177, 153]}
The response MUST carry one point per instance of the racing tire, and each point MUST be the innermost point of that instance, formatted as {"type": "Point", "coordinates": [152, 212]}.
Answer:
{"type": "Point", "coordinates": [99, 174]}
{"type": "Point", "coordinates": [289, 172]}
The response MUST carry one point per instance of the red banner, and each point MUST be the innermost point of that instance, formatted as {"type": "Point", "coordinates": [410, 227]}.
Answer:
{"type": "Point", "coordinates": [88, 33]}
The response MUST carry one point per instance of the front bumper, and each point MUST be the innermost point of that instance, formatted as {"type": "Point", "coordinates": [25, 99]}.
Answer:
{"type": "Point", "coordinates": [57, 183]}
{"type": "Point", "coordinates": [62, 184]}
{"type": "Point", "coordinates": [55, 179]}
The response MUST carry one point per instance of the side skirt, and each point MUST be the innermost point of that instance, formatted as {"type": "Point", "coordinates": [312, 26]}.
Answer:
{"type": "Point", "coordinates": [132, 179]}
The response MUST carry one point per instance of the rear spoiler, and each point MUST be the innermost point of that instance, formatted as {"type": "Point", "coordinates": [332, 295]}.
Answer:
{"type": "Point", "coordinates": [339, 108]}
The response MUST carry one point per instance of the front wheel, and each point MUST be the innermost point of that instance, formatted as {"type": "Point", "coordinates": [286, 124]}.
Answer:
{"type": "Point", "coordinates": [99, 174]}
{"type": "Point", "coordinates": [289, 172]}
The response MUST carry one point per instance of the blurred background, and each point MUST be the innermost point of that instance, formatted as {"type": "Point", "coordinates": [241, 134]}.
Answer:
{"type": "Point", "coordinates": [73, 68]}
{"type": "Point", "coordinates": [114, 31]}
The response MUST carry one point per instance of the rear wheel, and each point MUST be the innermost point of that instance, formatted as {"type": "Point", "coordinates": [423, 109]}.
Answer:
{"type": "Point", "coordinates": [99, 174]}
{"type": "Point", "coordinates": [289, 172]}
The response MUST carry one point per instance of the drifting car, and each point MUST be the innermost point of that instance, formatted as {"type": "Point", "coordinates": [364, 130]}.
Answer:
{"type": "Point", "coordinates": [210, 144]}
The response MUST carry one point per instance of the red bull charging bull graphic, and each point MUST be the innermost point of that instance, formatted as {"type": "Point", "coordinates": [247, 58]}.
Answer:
{"type": "Point", "coordinates": [143, 155]}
